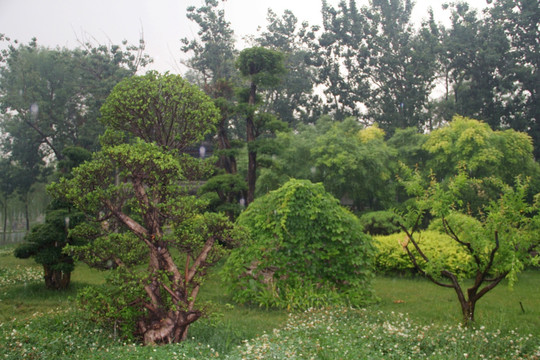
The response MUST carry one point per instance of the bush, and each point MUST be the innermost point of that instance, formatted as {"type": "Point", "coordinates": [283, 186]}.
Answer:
{"type": "Point", "coordinates": [305, 250]}
{"type": "Point", "coordinates": [380, 222]}
{"type": "Point", "coordinates": [391, 257]}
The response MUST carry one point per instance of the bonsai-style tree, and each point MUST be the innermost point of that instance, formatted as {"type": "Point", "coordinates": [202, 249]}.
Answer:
{"type": "Point", "coordinates": [304, 250]}
{"type": "Point", "coordinates": [45, 242]}
{"type": "Point", "coordinates": [158, 236]}
{"type": "Point", "coordinates": [500, 242]}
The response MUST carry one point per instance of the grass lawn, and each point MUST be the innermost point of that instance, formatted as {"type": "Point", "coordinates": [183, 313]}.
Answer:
{"type": "Point", "coordinates": [413, 319]}
{"type": "Point", "coordinates": [500, 308]}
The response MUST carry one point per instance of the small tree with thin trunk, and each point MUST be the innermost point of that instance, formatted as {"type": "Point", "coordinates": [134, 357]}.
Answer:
{"type": "Point", "coordinates": [156, 235]}
{"type": "Point", "coordinates": [500, 242]}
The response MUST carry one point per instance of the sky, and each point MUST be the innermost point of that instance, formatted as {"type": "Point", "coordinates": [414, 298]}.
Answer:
{"type": "Point", "coordinates": [163, 23]}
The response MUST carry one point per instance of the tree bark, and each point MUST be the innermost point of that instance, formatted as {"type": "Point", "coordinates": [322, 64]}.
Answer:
{"type": "Point", "coordinates": [252, 154]}
{"type": "Point", "coordinates": [56, 279]}
{"type": "Point", "coordinates": [4, 230]}
{"type": "Point", "coordinates": [227, 162]}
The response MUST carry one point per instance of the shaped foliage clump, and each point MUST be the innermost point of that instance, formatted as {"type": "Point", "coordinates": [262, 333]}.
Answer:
{"type": "Point", "coordinates": [392, 258]}
{"type": "Point", "coordinates": [304, 250]}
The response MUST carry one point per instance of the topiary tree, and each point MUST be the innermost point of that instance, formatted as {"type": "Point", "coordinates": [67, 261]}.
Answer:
{"type": "Point", "coordinates": [304, 250]}
{"type": "Point", "coordinates": [263, 67]}
{"type": "Point", "coordinates": [157, 235]}
{"type": "Point", "coordinates": [380, 222]}
{"type": "Point", "coordinates": [45, 242]}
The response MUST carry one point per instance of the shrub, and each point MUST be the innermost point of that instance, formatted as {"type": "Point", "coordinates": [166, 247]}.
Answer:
{"type": "Point", "coordinates": [391, 257]}
{"type": "Point", "coordinates": [305, 250]}
{"type": "Point", "coordinates": [380, 222]}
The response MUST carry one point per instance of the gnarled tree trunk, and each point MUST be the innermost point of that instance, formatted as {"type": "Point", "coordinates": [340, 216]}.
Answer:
{"type": "Point", "coordinates": [56, 279]}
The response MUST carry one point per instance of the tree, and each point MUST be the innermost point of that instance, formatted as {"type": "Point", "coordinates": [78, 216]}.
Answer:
{"type": "Point", "coordinates": [7, 187]}
{"type": "Point", "coordinates": [341, 55]}
{"type": "Point", "coordinates": [262, 67]}
{"type": "Point", "coordinates": [292, 100]}
{"type": "Point", "coordinates": [477, 55]}
{"type": "Point", "coordinates": [499, 243]}
{"type": "Point", "coordinates": [57, 93]}
{"type": "Point", "coordinates": [354, 165]}
{"type": "Point", "coordinates": [136, 192]}
{"type": "Point", "coordinates": [304, 250]}
{"type": "Point", "coordinates": [213, 69]}
{"type": "Point", "coordinates": [50, 99]}
{"type": "Point", "coordinates": [214, 53]}
{"type": "Point", "coordinates": [401, 65]}
{"type": "Point", "coordinates": [45, 242]}
{"type": "Point", "coordinates": [484, 152]}
{"type": "Point", "coordinates": [374, 65]}
{"type": "Point", "coordinates": [24, 153]}
{"type": "Point", "coordinates": [518, 21]}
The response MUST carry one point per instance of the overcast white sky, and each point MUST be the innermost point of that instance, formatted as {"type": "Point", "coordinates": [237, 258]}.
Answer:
{"type": "Point", "coordinates": [62, 22]}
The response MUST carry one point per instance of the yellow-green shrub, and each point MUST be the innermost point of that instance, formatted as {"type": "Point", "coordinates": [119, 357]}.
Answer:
{"type": "Point", "coordinates": [445, 253]}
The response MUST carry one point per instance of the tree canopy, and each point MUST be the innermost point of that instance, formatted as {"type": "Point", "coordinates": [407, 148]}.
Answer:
{"type": "Point", "coordinates": [136, 194]}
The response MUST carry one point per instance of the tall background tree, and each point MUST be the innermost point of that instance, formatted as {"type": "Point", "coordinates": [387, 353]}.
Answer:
{"type": "Point", "coordinates": [50, 99]}
{"type": "Point", "coordinates": [292, 100]}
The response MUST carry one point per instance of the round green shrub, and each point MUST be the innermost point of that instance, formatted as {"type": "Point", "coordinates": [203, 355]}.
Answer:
{"type": "Point", "coordinates": [304, 250]}
{"type": "Point", "coordinates": [380, 222]}
{"type": "Point", "coordinates": [445, 253]}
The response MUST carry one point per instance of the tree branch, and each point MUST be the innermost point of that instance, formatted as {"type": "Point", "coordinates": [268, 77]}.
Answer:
{"type": "Point", "coordinates": [202, 257]}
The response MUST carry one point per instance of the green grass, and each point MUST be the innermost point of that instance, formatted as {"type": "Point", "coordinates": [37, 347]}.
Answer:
{"type": "Point", "coordinates": [36, 323]}
{"type": "Point", "coordinates": [28, 294]}
{"type": "Point", "coordinates": [500, 308]}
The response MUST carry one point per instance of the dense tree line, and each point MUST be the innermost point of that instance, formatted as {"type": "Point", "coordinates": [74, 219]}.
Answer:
{"type": "Point", "coordinates": [372, 65]}
{"type": "Point", "coordinates": [50, 100]}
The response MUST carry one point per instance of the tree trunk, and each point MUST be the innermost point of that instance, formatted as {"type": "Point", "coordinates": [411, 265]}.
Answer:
{"type": "Point", "coordinates": [227, 162]}
{"type": "Point", "coordinates": [26, 213]}
{"type": "Point", "coordinates": [467, 309]}
{"type": "Point", "coordinates": [252, 154]}
{"type": "Point", "coordinates": [4, 230]}
{"type": "Point", "coordinates": [56, 279]}
{"type": "Point", "coordinates": [167, 328]}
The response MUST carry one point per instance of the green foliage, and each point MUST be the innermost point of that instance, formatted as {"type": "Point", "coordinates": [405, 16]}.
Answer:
{"type": "Point", "coordinates": [380, 222]}
{"type": "Point", "coordinates": [110, 305]}
{"type": "Point", "coordinates": [55, 95]}
{"type": "Point", "coordinates": [500, 242]}
{"type": "Point", "coordinates": [483, 152]}
{"type": "Point", "coordinates": [229, 189]}
{"type": "Point", "coordinates": [263, 66]}
{"type": "Point", "coordinates": [350, 167]}
{"type": "Point", "coordinates": [137, 194]}
{"type": "Point", "coordinates": [213, 53]}
{"type": "Point", "coordinates": [45, 242]}
{"type": "Point", "coordinates": [392, 258]}
{"type": "Point", "coordinates": [60, 335]}
{"type": "Point", "coordinates": [303, 245]}
{"type": "Point", "coordinates": [164, 109]}
{"type": "Point", "coordinates": [408, 144]}
{"type": "Point", "coordinates": [292, 100]}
